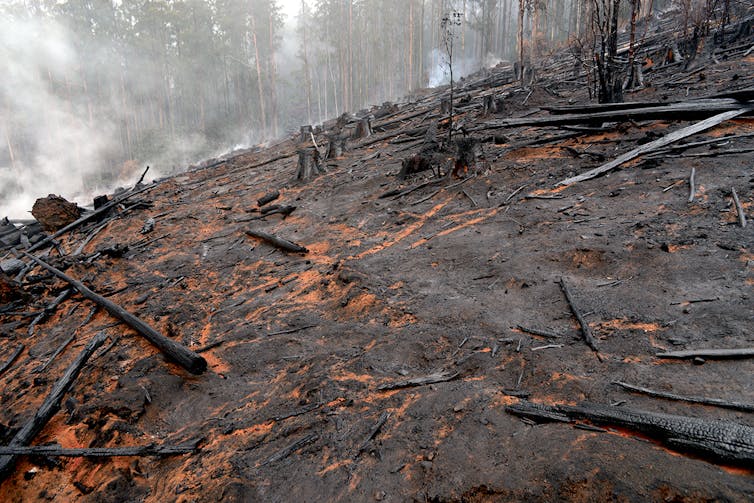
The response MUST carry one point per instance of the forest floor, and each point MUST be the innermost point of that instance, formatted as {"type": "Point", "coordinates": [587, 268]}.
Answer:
{"type": "Point", "coordinates": [436, 281]}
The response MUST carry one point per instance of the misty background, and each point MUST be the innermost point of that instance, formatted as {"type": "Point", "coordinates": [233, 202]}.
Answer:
{"type": "Point", "coordinates": [92, 91]}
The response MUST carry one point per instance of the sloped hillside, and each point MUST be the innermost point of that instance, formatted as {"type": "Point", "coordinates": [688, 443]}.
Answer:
{"type": "Point", "coordinates": [385, 361]}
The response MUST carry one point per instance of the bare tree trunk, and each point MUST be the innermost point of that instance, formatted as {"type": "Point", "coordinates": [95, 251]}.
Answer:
{"type": "Point", "coordinates": [260, 86]}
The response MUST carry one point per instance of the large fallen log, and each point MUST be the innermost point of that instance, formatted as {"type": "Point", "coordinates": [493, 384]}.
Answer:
{"type": "Point", "coordinates": [174, 351]}
{"type": "Point", "coordinates": [654, 145]}
{"type": "Point", "coordinates": [724, 441]}
{"type": "Point", "coordinates": [100, 452]}
{"type": "Point", "coordinates": [678, 111]}
{"type": "Point", "coordinates": [713, 354]}
{"type": "Point", "coordinates": [50, 406]}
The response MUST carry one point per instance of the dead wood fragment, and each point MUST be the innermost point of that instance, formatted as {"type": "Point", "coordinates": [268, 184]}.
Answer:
{"type": "Point", "coordinates": [373, 433]}
{"type": "Point", "coordinates": [50, 405]}
{"type": "Point", "coordinates": [739, 208]}
{"type": "Point", "coordinates": [745, 407]}
{"type": "Point", "coordinates": [141, 178]}
{"type": "Point", "coordinates": [299, 412]}
{"type": "Point", "coordinates": [59, 350]}
{"type": "Point", "coordinates": [536, 331]}
{"type": "Point", "coordinates": [692, 185]}
{"type": "Point", "coordinates": [281, 243]}
{"type": "Point", "coordinates": [654, 145]}
{"type": "Point", "coordinates": [721, 354]}
{"type": "Point", "coordinates": [291, 330]}
{"type": "Point", "coordinates": [585, 330]}
{"type": "Point", "coordinates": [102, 452]}
{"type": "Point", "coordinates": [284, 453]}
{"type": "Point", "coordinates": [49, 309]}
{"type": "Point", "coordinates": [268, 198]}
{"type": "Point", "coordinates": [284, 210]}
{"type": "Point", "coordinates": [420, 381]}
{"type": "Point", "coordinates": [5, 366]}
{"type": "Point", "coordinates": [174, 351]}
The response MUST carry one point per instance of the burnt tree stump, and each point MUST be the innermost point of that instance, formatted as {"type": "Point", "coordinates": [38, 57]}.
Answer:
{"type": "Point", "coordinates": [306, 133]}
{"type": "Point", "coordinates": [309, 164]}
{"type": "Point", "coordinates": [468, 153]}
{"type": "Point", "coordinates": [489, 105]}
{"type": "Point", "coordinates": [415, 164]}
{"type": "Point", "coordinates": [54, 212]}
{"type": "Point", "coordinates": [445, 106]}
{"type": "Point", "coordinates": [336, 147]}
{"type": "Point", "coordinates": [363, 128]}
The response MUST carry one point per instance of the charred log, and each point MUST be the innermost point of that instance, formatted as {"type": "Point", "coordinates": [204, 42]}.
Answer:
{"type": "Point", "coordinates": [268, 198]}
{"type": "Point", "coordinates": [50, 406]}
{"type": "Point", "coordinates": [724, 441]}
{"type": "Point", "coordinates": [281, 243]}
{"type": "Point", "coordinates": [174, 351]}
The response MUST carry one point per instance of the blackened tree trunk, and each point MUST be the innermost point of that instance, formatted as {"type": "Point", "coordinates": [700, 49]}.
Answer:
{"type": "Point", "coordinates": [309, 164]}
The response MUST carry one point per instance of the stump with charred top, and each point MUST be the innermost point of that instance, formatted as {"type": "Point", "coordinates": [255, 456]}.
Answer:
{"type": "Point", "coordinates": [336, 147]}
{"type": "Point", "coordinates": [309, 164]}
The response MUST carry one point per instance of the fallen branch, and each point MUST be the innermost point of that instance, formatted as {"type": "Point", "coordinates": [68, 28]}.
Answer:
{"type": "Point", "coordinates": [720, 354]}
{"type": "Point", "coordinates": [654, 145]}
{"type": "Point", "coordinates": [268, 198]}
{"type": "Point", "coordinates": [745, 407]}
{"type": "Point", "coordinates": [281, 243]}
{"type": "Point", "coordinates": [536, 331]}
{"type": "Point", "coordinates": [284, 453]}
{"type": "Point", "coordinates": [692, 185]}
{"type": "Point", "coordinates": [373, 433]}
{"type": "Point", "coordinates": [739, 208]}
{"type": "Point", "coordinates": [101, 452]}
{"type": "Point", "coordinates": [50, 405]}
{"type": "Point", "coordinates": [585, 330]}
{"type": "Point", "coordinates": [174, 351]}
{"type": "Point", "coordinates": [419, 381]}
{"type": "Point", "coordinates": [49, 309]}
{"type": "Point", "coordinates": [5, 366]}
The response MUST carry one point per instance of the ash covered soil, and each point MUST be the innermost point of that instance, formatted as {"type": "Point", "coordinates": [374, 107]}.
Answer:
{"type": "Point", "coordinates": [294, 405]}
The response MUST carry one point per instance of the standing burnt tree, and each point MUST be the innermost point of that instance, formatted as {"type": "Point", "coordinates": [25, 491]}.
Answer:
{"type": "Point", "coordinates": [448, 25]}
{"type": "Point", "coordinates": [605, 30]}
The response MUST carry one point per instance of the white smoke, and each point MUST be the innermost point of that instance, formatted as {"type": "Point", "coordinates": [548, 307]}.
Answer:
{"type": "Point", "coordinates": [40, 65]}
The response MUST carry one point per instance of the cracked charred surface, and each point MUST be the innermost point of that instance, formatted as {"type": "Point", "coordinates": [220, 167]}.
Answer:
{"type": "Point", "coordinates": [298, 345]}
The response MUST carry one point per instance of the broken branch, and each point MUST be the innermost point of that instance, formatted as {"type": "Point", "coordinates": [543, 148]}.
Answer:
{"type": "Point", "coordinates": [585, 330]}
{"type": "Point", "coordinates": [176, 352]}
{"type": "Point", "coordinates": [419, 381]}
{"type": "Point", "coordinates": [281, 243]}
{"type": "Point", "coordinates": [101, 452]}
{"type": "Point", "coordinates": [746, 407]}
{"type": "Point", "coordinates": [654, 145]}
{"type": "Point", "coordinates": [50, 406]}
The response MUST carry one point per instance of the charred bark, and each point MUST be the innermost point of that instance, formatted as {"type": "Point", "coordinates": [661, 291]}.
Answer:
{"type": "Point", "coordinates": [336, 146]}
{"type": "Point", "coordinates": [50, 406]}
{"type": "Point", "coordinates": [724, 441]}
{"type": "Point", "coordinates": [309, 164]}
{"type": "Point", "coordinates": [174, 351]}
